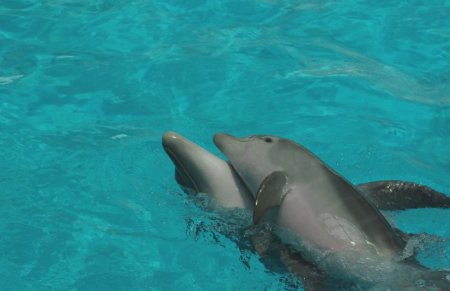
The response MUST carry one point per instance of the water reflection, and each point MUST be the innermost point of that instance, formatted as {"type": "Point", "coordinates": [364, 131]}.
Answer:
{"type": "Point", "coordinates": [383, 76]}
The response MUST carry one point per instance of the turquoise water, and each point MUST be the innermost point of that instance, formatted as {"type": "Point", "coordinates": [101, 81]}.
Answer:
{"type": "Point", "coordinates": [88, 200]}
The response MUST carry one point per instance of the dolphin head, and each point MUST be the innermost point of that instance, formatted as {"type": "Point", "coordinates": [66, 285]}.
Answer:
{"type": "Point", "coordinates": [182, 152]}
{"type": "Point", "coordinates": [252, 157]}
{"type": "Point", "coordinates": [197, 170]}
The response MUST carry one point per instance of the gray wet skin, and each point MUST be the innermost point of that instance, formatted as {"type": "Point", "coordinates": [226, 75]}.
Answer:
{"type": "Point", "coordinates": [315, 203]}
{"type": "Point", "coordinates": [198, 170]}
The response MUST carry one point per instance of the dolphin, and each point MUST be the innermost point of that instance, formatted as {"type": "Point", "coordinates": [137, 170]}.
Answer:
{"type": "Point", "coordinates": [326, 219]}
{"type": "Point", "coordinates": [281, 173]}
{"type": "Point", "coordinates": [199, 171]}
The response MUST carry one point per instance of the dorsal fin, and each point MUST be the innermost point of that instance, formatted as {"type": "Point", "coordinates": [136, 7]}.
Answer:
{"type": "Point", "coordinates": [270, 194]}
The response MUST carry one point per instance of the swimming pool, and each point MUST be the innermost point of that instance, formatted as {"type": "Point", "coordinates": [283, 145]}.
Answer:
{"type": "Point", "coordinates": [88, 199]}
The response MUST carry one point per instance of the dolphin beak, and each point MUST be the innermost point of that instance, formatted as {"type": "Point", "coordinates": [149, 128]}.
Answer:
{"type": "Point", "coordinates": [219, 139]}
{"type": "Point", "coordinates": [228, 144]}
{"type": "Point", "coordinates": [223, 141]}
{"type": "Point", "coordinates": [177, 147]}
{"type": "Point", "coordinates": [171, 139]}
{"type": "Point", "coordinates": [173, 144]}
{"type": "Point", "coordinates": [179, 151]}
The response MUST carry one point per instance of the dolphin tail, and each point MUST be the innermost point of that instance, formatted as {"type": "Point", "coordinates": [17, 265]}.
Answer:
{"type": "Point", "coordinates": [400, 195]}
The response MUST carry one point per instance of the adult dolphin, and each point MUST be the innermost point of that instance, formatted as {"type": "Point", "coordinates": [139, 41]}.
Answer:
{"type": "Point", "coordinates": [321, 214]}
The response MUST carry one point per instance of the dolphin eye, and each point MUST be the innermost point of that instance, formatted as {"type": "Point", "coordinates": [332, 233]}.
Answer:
{"type": "Point", "coordinates": [268, 139]}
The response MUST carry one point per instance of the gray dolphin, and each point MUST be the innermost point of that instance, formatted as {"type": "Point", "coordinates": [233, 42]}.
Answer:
{"type": "Point", "coordinates": [281, 173]}
{"type": "Point", "coordinates": [200, 171]}
{"type": "Point", "coordinates": [321, 214]}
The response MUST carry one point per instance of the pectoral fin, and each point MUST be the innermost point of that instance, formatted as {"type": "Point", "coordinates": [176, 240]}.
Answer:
{"type": "Point", "coordinates": [400, 195]}
{"type": "Point", "coordinates": [270, 194]}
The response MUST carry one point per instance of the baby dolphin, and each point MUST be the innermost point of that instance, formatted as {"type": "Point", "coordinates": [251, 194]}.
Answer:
{"type": "Point", "coordinates": [200, 171]}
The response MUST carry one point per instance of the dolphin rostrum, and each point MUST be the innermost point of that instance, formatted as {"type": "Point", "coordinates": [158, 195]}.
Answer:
{"type": "Point", "coordinates": [321, 214]}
